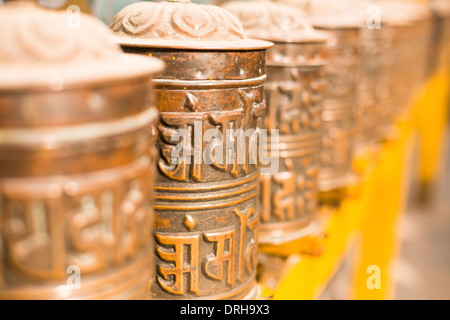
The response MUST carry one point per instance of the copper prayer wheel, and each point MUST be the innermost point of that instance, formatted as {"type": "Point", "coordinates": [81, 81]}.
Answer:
{"type": "Point", "coordinates": [75, 159]}
{"type": "Point", "coordinates": [405, 31]}
{"type": "Point", "coordinates": [206, 197]}
{"type": "Point", "coordinates": [436, 39]}
{"type": "Point", "coordinates": [294, 96]}
{"type": "Point", "coordinates": [344, 46]}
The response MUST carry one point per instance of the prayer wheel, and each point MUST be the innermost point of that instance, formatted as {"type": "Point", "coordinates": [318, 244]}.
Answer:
{"type": "Point", "coordinates": [294, 95]}
{"type": "Point", "coordinates": [212, 108]}
{"type": "Point", "coordinates": [441, 35]}
{"type": "Point", "coordinates": [76, 159]}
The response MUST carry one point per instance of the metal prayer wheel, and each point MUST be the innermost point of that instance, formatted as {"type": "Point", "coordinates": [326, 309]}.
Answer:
{"type": "Point", "coordinates": [206, 196]}
{"type": "Point", "coordinates": [441, 34]}
{"type": "Point", "coordinates": [294, 96]}
{"type": "Point", "coordinates": [75, 159]}
{"type": "Point", "coordinates": [344, 46]}
{"type": "Point", "coordinates": [405, 31]}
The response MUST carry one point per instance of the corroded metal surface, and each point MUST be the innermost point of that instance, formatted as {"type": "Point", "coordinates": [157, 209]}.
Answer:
{"type": "Point", "coordinates": [75, 160]}
{"type": "Point", "coordinates": [207, 215]}
{"type": "Point", "coordinates": [294, 95]}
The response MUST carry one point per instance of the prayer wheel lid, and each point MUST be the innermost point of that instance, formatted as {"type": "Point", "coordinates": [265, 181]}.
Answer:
{"type": "Point", "coordinates": [331, 14]}
{"type": "Point", "coordinates": [180, 24]}
{"type": "Point", "coordinates": [275, 21]}
{"type": "Point", "coordinates": [41, 50]}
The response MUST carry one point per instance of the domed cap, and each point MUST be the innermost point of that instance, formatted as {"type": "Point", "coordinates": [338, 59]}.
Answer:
{"type": "Point", "coordinates": [180, 24]}
{"type": "Point", "coordinates": [41, 48]}
{"type": "Point", "coordinates": [331, 13]}
{"type": "Point", "coordinates": [274, 21]}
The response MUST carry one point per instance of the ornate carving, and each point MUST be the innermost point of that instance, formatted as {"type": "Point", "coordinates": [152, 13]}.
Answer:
{"type": "Point", "coordinates": [294, 95]}
{"type": "Point", "coordinates": [340, 108]}
{"type": "Point", "coordinates": [215, 264]}
{"type": "Point", "coordinates": [190, 165]}
{"type": "Point", "coordinates": [227, 254]}
{"type": "Point", "coordinates": [211, 89]}
{"type": "Point", "coordinates": [179, 242]}
{"type": "Point", "coordinates": [189, 222]}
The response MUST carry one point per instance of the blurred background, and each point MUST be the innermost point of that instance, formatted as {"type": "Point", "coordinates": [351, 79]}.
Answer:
{"type": "Point", "coordinates": [423, 264]}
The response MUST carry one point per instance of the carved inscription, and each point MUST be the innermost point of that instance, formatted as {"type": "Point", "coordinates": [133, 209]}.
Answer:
{"type": "Point", "coordinates": [230, 259]}
{"type": "Point", "coordinates": [293, 107]}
